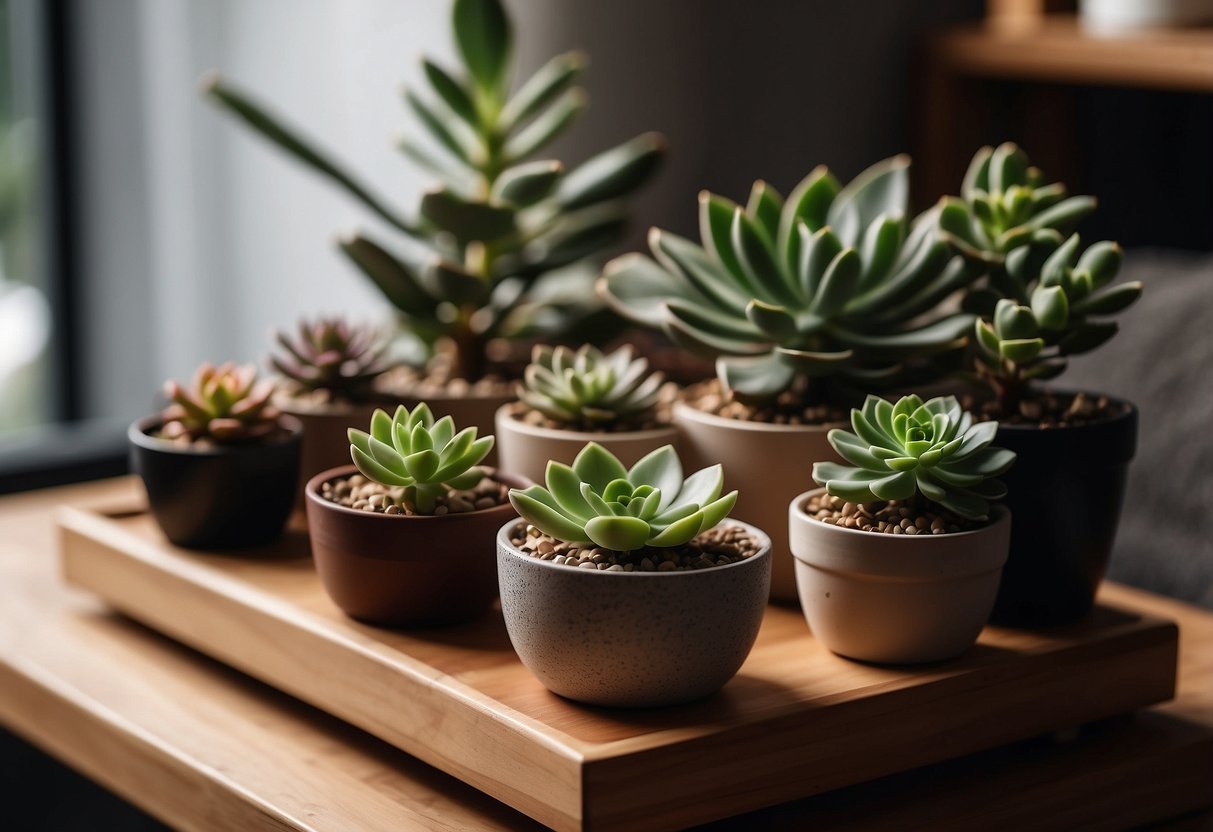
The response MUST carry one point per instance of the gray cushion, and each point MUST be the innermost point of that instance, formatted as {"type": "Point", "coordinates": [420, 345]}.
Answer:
{"type": "Point", "coordinates": [1162, 360]}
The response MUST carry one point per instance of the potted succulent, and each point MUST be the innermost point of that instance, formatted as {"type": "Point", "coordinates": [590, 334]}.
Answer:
{"type": "Point", "coordinates": [806, 302]}
{"type": "Point", "coordinates": [569, 398]}
{"type": "Point", "coordinates": [328, 372]}
{"type": "Point", "coordinates": [405, 535]}
{"type": "Point", "coordinates": [1042, 300]}
{"type": "Point", "coordinates": [220, 462]}
{"type": "Point", "coordinates": [505, 229]}
{"type": "Point", "coordinates": [898, 556]}
{"type": "Point", "coordinates": [619, 587]}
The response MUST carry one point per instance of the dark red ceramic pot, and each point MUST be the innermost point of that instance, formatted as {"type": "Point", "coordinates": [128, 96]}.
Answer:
{"type": "Point", "coordinates": [398, 570]}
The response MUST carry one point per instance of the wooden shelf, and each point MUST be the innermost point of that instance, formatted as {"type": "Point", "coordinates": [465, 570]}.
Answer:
{"type": "Point", "coordinates": [1057, 49]}
{"type": "Point", "coordinates": [796, 721]}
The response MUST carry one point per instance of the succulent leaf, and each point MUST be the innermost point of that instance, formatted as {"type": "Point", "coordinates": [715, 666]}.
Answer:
{"type": "Point", "coordinates": [224, 404]}
{"type": "Point", "coordinates": [332, 355]}
{"type": "Point", "coordinates": [597, 500]}
{"type": "Point", "coordinates": [589, 390]}
{"type": "Point", "coordinates": [929, 448]}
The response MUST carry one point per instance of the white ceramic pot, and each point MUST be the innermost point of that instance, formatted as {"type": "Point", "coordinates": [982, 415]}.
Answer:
{"type": "Point", "coordinates": [524, 449]}
{"type": "Point", "coordinates": [896, 599]}
{"type": "Point", "coordinates": [632, 639]}
{"type": "Point", "coordinates": [1112, 17]}
{"type": "Point", "coordinates": [768, 464]}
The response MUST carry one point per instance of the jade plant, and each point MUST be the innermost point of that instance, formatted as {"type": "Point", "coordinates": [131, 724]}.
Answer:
{"type": "Point", "coordinates": [588, 390]}
{"type": "Point", "coordinates": [1003, 201]}
{"type": "Point", "coordinates": [424, 458]}
{"type": "Point", "coordinates": [933, 449]}
{"type": "Point", "coordinates": [225, 405]}
{"type": "Point", "coordinates": [596, 500]}
{"type": "Point", "coordinates": [832, 284]}
{"type": "Point", "coordinates": [1058, 302]}
{"type": "Point", "coordinates": [502, 216]}
{"type": "Point", "coordinates": [330, 355]}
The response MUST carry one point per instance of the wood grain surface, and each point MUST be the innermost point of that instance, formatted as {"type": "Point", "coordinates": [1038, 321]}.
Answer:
{"type": "Point", "coordinates": [204, 747]}
{"type": "Point", "coordinates": [797, 720]}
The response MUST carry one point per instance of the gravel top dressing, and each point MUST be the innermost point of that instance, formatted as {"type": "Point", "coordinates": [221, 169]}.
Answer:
{"type": "Point", "coordinates": [357, 492]}
{"type": "Point", "coordinates": [720, 546]}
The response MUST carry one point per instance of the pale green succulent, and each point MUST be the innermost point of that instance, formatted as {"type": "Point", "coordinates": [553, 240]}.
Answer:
{"type": "Point", "coordinates": [586, 389]}
{"type": "Point", "coordinates": [424, 457]}
{"type": "Point", "coordinates": [1003, 201]}
{"type": "Point", "coordinates": [832, 282]}
{"type": "Point", "coordinates": [502, 218]}
{"type": "Point", "coordinates": [1050, 302]}
{"type": "Point", "coordinates": [598, 501]}
{"type": "Point", "coordinates": [932, 448]}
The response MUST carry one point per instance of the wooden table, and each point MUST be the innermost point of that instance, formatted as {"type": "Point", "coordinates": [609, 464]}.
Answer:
{"type": "Point", "coordinates": [203, 747]}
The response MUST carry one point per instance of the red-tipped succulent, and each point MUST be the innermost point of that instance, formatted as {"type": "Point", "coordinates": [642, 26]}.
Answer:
{"type": "Point", "coordinates": [225, 405]}
{"type": "Point", "coordinates": [329, 354]}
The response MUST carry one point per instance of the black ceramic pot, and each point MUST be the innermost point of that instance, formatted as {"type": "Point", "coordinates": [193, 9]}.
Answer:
{"type": "Point", "coordinates": [217, 498]}
{"type": "Point", "coordinates": [1065, 492]}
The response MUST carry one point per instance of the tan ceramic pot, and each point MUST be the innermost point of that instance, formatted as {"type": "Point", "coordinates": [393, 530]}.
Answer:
{"type": "Point", "coordinates": [632, 639]}
{"type": "Point", "coordinates": [525, 449]}
{"type": "Point", "coordinates": [397, 570]}
{"type": "Point", "coordinates": [896, 599]}
{"type": "Point", "coordinates": [326, 443]}
{"type": "Point", "coordinates": [768, 464]}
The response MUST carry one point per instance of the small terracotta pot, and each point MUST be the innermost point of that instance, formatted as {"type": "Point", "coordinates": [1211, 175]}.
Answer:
{"type": "Point", "coordinates": [405, 570]}
{"type": "Point", "coordinates": [632, 639]}
{"type": "Point", "coordinates": [767, 464]}
{"type": "Point", "coordinates": [224, 497]}
{"type": "Point", "coordinates": [525, 449]}
{"type": "Point", "coordinates": [325, 441]}
{"type": "Point", "coordinates": [896, 599]}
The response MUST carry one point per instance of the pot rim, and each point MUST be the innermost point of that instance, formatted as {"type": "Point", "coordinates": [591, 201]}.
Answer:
{"type": "Point", "coordinates": [1129, 412]}
{"type": "Point", "coordinates": [137, 434]}
{"type": "Point", "coordinates": [681, 408]}
{"type": "Point", "coordinates": [312, 492]}
{"type": "Point", "coordinates": [763, 555]}
{"type": "Point", "coordinates": [503, 417]}
{"type": "Point", "coordinates": [1001, 515]}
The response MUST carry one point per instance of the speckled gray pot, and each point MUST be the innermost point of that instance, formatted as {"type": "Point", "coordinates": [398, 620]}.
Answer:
{"type": "Point", "coordinates": [896, 599]}
{"type": "Point", "coordinates": [632, 639]}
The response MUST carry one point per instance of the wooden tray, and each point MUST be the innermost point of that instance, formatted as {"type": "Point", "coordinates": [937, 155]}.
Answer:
{"type": "Point", "coordinates": [796, 721]}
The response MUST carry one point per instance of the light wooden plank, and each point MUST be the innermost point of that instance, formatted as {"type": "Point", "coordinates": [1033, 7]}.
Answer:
{"type": "Point", "coordinates": [797, 721]}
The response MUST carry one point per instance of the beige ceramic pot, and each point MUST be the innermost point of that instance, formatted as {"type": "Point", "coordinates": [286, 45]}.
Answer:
{"type": "Point", "coordinates": [896, 599]}
{"type": "Point", "coordinates": [768, 464]}
{"type": "Point", "coordinates": [326, 443]}
{"type": "Point", "coordinates": [632, 639]}
{"type": "Point", "coordinates": [524, 449]}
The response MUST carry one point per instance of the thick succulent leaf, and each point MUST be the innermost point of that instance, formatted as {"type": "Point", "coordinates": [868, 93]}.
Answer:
{"type": "Point", "coordinates": [622, 534]}
{"type": "Point", "coordinates": [442, 432]}
{"type": "Point", "coordinates": [422, 465]}
{"type": "Point", "coordinates": [853, 450]}
{"type": "Point", "coordinates": [1012, 321]}
{"type": "Point", "coordinates": [451, 135]}
{"type": "Point", "coordinates": [989, 462]}
{"type": "Point", "coordinates": [1008, 167]}
{"type": "Point", "coordinates": [815, 363]}
{"type": "Point", "coordinates": [526, 184]}
{"type": "Point", "coordinates": [909, 276]}
{"type": "Point", "coordinates": [288, 139]}
{"type": "Point", "coordinates": [467, 480]}
{"type": "Point", "coordinates": [884, 188]}
{"type": "Point", "coordinates": [660, 469]}
{"type": "Point", "coordinates": [1110, 301]}
{"type": "Point", "coordinates": [1102, 260]}
{"type": "Point", "coordinates": [680, 256]}
{"type": "Point", "coordinates": [596, 466]}
{"type": "Point", "coordinates": [547, 126]}
{"type": "Point", "coordinates": [757, 260]}
{"type": "Point", "coordinates": [977, 175]}
{"type": "Point", "coordinates": [359, 439]}
{"type": "Point", "coordinates": [1087, 337]}
{"type": "Point", "coordinates": [466, 220]}
{"type": "Point", "coordinates": [1021, 350]}
{"type": "Point", "coordinates": [450, 281]}
{"type": "Point", "coordinates": [374, 470]}
{"type": "Point", "coordinates": [451, 91]}
{"type": "Point", "coordinates": [928, 487]}
{"type": "Point", "coordinates": [637, 288]}
{"type": "Point", "coordinates": [678, 532]}
{"type": "Point", "coordinates": [715, 230]}
{"type": "Point", "coordinates": [1051, 307]}
{"type": "Point", "coordinates": [817, 251]}
{"type": "Point", "coordinates": [576, 236]}
{"type": "Point", "coordinates": [674, 514]}
{"type": "Point", "coordinates": [774, 321]}
{"type": "Point", "coordinates": [978, 436]}
{"type": "Point", "coordinates": [613, 173]}
{"type": "Point", "coordinates": [552, 79]}
{"type": "Point", "coordinates": [881, 245]}
{"type": "Point", "coordinates": [755, 379]}
{"type": "Point", "coordinates": [699, 489]}
{"type": "Point", "coordinates": [546, 518]}
{"type": "Point", "coordinates": [1064, 215]}
{"type": "Point", "coordinates": [1047, 369]}
{"type": "Point", "coordinates": [485, 40]}
{"type": "Point", "coordinates": [809, 203]}
{"type": "Point", "coordinates": [838, 285]}
{"type": "Point", "coordinates": [935, 336]}
{"type": "Point", "coordinates": [381, 425]}
{"type": "Point", "coordinates": [715, 511]}
{"type": "Point", "coordinates": [565, 488]}
{"type": "Point", "coordinates": [764, 207]}
{"type": "Point", "coordinates": [702, 330]}
{"type": "Point", "coordinates": [399, 284]}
